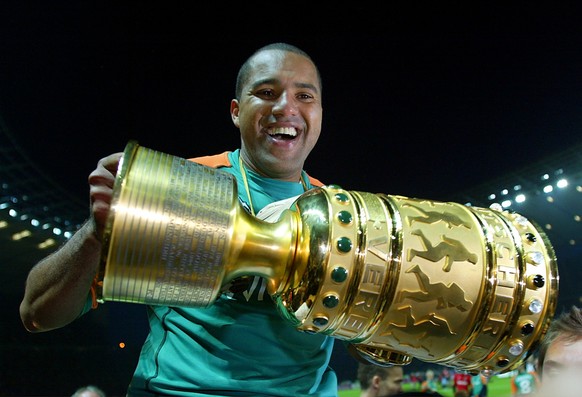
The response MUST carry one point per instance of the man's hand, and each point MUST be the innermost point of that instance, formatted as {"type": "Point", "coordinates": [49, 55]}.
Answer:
{"type": "Point", "coordinates": [101, 182]}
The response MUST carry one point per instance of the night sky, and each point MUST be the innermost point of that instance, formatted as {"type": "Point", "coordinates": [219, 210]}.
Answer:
{"type": "Point", "coordinates": [422, 101]}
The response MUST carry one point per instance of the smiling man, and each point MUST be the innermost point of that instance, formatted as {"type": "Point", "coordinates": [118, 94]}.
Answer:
{"type": "Point", "coordinates": [240, 345]}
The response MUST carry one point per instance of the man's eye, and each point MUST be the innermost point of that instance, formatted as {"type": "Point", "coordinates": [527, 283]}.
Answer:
{"type": "Point", "coordinates": [265, 93]}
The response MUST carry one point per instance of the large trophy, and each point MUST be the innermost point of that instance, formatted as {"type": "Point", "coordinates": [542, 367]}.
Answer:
{"type": "Point", "coordinates": [399, 278]}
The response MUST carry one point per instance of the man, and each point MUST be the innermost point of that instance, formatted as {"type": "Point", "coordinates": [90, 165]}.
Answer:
{"type": "Point", "coordinates": [524, 383]}
{"type": "Point", "coordinates": [378, 381]}
{"type": "Point", "coordinates": [479, 385]}
{"type": "Point", "coordinates": [462, 382]}
{"type": "Point", "coordinates": [560, 356]}
{"type": "Point", "coordinates": [240, 345]}
{"type": "Point", "coordinates": [429, 383]}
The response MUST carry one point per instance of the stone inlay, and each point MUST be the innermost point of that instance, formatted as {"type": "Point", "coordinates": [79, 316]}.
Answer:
{"type": "Point", "coordinates": [527, 328]}
{"type": "Point", "coordinates": [342, 197]}
{"type": "Point", "coordinates": [516, 348]}
{"type": "Point", "coordinates": [538, 280]}
{"type": "Point", "coordinates": [330, 301]}
{"type": "Point", "coordinates": [344, 244]}
{"type": "Point", "coordinates": [339, 274]}
{"type": "Point", "coordinates": [535, 306]}
{"type": "Point", "coordinates": [345, 217]}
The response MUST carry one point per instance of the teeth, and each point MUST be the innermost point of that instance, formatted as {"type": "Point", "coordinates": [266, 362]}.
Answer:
{"type": "Point", "coordinates": [283, 131]}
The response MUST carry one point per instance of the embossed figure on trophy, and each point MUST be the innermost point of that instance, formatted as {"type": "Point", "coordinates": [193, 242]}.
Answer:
{"type": "Point", "coordinates": [452, 249]}
{"type": "Point", "coordinates": [422, 326]}
{"type": "Point", "coordinates": [446, 296]}
{"type": "Point", "coordinates": [435, 216]}
{"type": "Point", "coordinates": [409, 332]}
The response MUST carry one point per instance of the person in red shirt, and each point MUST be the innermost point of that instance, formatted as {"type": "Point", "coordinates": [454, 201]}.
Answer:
{"type": "Point", "coordinates": [462, 381]}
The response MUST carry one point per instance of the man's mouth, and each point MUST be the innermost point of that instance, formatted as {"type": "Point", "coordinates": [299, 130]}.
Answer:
{"type": "Point", "coordinates": [283, 133]}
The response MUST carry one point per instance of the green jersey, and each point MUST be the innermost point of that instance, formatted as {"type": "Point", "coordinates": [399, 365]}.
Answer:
{"type": "Point", "coordinates": [240, 345]}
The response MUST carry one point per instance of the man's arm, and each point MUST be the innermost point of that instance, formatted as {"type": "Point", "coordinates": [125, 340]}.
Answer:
{"type": "Point", "coordinates": [57, 287]}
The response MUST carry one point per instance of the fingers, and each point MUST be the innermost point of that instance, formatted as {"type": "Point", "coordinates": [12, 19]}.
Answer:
{"type": "Point", "coordinates": [106, 168]}
{"type": "Point", "coordinates": [101, 182]}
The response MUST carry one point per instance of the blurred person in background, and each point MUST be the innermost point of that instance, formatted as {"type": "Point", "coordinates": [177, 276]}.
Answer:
{"type": "Point", "coordinates": [462, 383]}
{"type": "Point", "coordinates": [524, 383]}
{"type": "Point", "coordinates": [429, 384]}
{"type": "Point", "coordinates": [378, 381]}
{"type": "Point", "coordinates": [479, 384]}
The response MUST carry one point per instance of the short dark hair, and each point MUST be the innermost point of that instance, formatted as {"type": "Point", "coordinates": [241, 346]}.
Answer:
{"type": "Point", "coordinates": [245, 69]}
{"type": "Point", "coordinates": [366, 373]}
{"type": "Point", "coordinates": [567, 326]}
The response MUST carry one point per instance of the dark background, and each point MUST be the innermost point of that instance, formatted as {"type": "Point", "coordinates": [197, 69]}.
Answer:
{"type": "Point", "coordinates": [430, 99]}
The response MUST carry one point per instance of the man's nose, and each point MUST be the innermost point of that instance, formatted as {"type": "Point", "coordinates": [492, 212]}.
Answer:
{"type": "Point", "coordinates": [285, 104]}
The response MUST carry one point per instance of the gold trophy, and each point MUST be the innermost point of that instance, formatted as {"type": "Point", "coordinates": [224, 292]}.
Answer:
{"type": "Point", "coordinates": [399, 278]}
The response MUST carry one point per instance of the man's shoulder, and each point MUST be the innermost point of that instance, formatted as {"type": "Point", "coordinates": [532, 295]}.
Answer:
{"type": "Point", "coordinates": [214, 160]}
{"type": "Point", "coordinates": [314, 181]}
{"type": "Point", "coordinates": [223, 160]}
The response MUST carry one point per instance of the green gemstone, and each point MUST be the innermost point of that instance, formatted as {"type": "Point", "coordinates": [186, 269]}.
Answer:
{"type": "Point", "coordinates": [344, 244]}
{"type": "Point", "coordinates": [344, 217]}
{"type": "Point", "coordinates": [342, 197]}
{"type": "Point", "coordinates": [339, 274]}
{"type": "Point", "coordinates": [330, 301]}
{"type": "Point", "coordinates": [320, 321]}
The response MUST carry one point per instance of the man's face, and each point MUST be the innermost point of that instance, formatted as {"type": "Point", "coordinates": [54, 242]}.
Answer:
{"type": "Point", "coordinates": [562, 369]}
{"type": "Point", "coordinates": [279, 114]}
{"type": "Point", "coordinates": [393, 382]}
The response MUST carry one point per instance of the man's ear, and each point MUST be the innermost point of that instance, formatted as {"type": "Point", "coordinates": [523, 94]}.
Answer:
{"type": "Point", "coordinates": [234, 110]}
{"type": "Point", "coordinates": [376, 380]}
